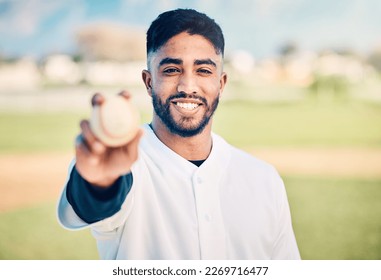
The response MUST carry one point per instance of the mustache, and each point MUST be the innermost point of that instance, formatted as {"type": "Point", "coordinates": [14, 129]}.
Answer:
{"type": "Point", "coordinates": [186, 95]}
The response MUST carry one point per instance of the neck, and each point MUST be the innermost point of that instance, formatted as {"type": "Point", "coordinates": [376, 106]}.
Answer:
{"type": "Point", "coordinates": [197, 147]}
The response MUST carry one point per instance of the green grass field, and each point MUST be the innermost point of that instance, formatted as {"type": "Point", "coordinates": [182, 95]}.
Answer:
{"type": "Point", "coordinates": [300, 124]}
{"type": "Point", "coordinates": [34, 233]}
{"type": "Point", "coordinates": [334, 218]}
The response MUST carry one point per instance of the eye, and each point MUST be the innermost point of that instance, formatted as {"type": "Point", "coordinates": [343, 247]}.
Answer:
{"type": "Point", "coordinates": [204, 71]}
{"type": "Point", "coordinates": [171, 70]}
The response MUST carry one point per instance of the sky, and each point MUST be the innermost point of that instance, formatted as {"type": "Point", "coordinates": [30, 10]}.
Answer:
{"type": "Point", "coordinates": [41, 27]}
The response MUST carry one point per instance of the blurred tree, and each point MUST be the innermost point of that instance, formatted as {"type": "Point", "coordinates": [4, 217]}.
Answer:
{"type": "Point", "coordinates": [108, 41]}
{"type": "Point", "coordinates": [8, 59]}
{"type": "Point", "coordinates": [77, 57]}
{"type": "Point", "coordinates": [335, 86]}
{"type": "Point", "coordinates": [346, 52]}
{"type": "Point", "coordinates": [286, 52]}
{"type": "Point", "coordinates": [374, 59]}
{"type": "Point", "coordinates": [288, 49]}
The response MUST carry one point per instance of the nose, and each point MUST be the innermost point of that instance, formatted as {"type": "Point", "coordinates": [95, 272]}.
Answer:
{"type": "Point", "coordinates": [187, 83]}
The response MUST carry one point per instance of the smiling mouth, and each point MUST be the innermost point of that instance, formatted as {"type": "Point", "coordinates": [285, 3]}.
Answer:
{"type": "Point", "coordinates": [187, 105]}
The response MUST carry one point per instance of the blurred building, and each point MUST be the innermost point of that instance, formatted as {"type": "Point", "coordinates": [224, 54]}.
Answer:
{"type": "Point", "coordinates": [108, 41]}
{"type": "Point", "coordinates": [242, 62]}
{"type": "Point", "coordinates": [61, 69]}
{"type": "Point", "coordinates": [111, 73]}
{"type": "Point", "coordinates": [22, 74]}
{"type": "Point", "coordinates": [350, 67]}
{"type": "Point", "coordinates": [298, 69]}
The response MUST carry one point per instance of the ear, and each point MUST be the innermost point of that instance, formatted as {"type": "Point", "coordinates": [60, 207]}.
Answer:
{"type": "Point", "coordinates": [223, 81]}
{"type": "Point", "coordinates": [147, 80]}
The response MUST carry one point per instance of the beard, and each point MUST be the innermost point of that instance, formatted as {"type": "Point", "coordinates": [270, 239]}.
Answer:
{"type": "Point", "coordinates": [186, 126]}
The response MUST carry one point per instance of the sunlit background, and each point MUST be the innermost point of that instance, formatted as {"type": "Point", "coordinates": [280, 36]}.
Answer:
{"type": "Point", "coordinates": [304, 93]}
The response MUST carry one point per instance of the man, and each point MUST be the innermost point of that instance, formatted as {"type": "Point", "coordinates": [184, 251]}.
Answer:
{"type": "Point", "coordinates": [180, 191]}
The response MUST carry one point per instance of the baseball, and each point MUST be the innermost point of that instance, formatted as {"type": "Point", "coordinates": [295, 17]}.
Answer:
{"type": "Point", "coordinates": [115, 122]}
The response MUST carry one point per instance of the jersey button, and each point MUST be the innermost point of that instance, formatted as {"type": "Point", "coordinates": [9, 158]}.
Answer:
{"type": "Point", "coordinates": [199, 180]}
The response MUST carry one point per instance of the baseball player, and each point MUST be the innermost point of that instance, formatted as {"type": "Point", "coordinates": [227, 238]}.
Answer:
{"type": "Point", "coordinates": [177, 190]}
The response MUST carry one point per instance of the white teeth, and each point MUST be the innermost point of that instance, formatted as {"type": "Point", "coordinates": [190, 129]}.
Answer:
{"type": "Point", "coordinates": [188, 106]}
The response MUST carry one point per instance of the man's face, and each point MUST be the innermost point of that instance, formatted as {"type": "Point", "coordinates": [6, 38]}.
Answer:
{"type": "Point", "coordinates": [185, 81]}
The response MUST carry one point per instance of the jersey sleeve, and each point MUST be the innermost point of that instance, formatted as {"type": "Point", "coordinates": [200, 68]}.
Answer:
{"type": "Point", "coordinates": [82, 205]}
{"type": "Point", "coordinates": [285, 247]}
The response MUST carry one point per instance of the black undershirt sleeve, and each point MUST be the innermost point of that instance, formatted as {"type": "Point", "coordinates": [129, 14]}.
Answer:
{"type": "Point", "coordinates": [93, 203]}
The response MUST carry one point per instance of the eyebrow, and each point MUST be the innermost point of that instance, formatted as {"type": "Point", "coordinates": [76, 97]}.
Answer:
{"type": "Point", "coordinates": [169, 60]}
{"type": "Point", "coordinates": [177, 61]}
{"type": "Point", "coordinates": [207, 61]}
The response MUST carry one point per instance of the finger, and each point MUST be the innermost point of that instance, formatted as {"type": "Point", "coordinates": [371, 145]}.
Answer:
{"type": "Point", "coordinates": [97, 99]}
{"type": "Point", "coordinates": [81, 145]}
{"type": "Point", "coordinates": [125, 94]}
{"type": "Point", "coordinates": [87, 134]}
{"type": "Point", "coordinates": [91, 141]}
{"type": "Point", "coordinates": [83, 153]}
{"type": "Point", "coordinates": [79, 140]}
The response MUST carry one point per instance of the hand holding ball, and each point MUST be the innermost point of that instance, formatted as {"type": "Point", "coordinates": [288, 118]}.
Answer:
{"type": "Point", "coordinates": [115, 121]}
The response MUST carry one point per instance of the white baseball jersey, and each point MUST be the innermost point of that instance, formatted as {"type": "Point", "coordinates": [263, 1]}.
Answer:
{"type": "Point", "coordinates": [233, 206]}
